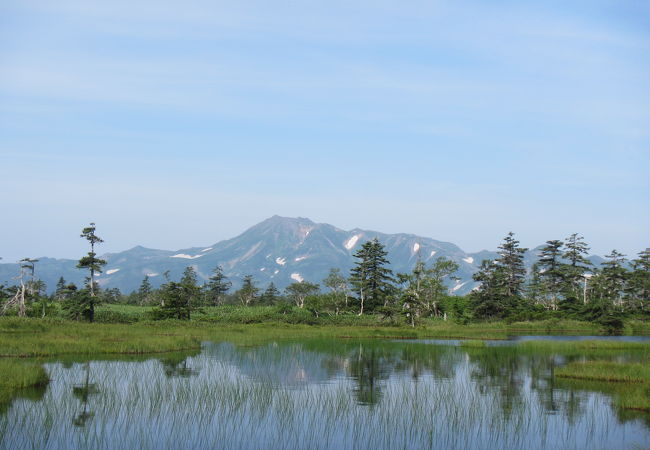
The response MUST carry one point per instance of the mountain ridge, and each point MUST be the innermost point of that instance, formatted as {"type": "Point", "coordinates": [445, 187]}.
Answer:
{"type": "Point", "coordinates": [279, 249]}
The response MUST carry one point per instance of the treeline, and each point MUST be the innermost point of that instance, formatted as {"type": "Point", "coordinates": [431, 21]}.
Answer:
{"type": "Point", "coordinates": [562, 283]}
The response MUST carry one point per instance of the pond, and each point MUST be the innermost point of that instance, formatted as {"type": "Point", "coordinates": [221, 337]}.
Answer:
{"type": "Point", "coordinates": [321, 394]}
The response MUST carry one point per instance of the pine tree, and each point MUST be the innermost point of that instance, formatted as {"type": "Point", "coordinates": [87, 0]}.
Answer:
{"type": "Point", "coordinates": [512, 263]}
{"type": "Point", "coordinates": [489, 300]}
{"type": "Point", "coordinates": [60, 288]}
{"type": "Point", "coordinates": [93, 264]}
{"type": "Point", "coordinates": [638, 286]}
{"type": "Point", "coordinates": [217, 287]}
{"type": "Point", "coordinates": [271, 295]}
{"type": "Point", "coordinates": [172, 303]}
{"type": "Point", "coordinates": [614, 276]}
{"type": "Point", "coordinates": [190, 291]}
{"type": "Point", "coordinates": [550, 270]}
{"type": "Point", "coordinates": [577, 267]}
{"type": "Point", "coordinates": [371, 279]}
{"type": "Point", "coordinates": [144, 291]}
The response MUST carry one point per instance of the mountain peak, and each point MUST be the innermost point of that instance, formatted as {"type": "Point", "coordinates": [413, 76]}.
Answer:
{"type": "Point", "coordinates": [276, 219]}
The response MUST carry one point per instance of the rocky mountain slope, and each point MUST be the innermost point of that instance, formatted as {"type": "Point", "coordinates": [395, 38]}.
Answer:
{"type": "Point", "coordinates": [279, 249]}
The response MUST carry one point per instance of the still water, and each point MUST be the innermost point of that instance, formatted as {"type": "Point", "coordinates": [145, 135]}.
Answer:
{"type": "Point", "coordinates": [322, 394]}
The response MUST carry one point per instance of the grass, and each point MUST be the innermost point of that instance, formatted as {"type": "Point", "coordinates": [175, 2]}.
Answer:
{"type": "Point", "coordinates": [473, 344]}
{"type": "Point", "coordinates": [582, 347]}
{"type": "Point", "coordinates": [17, 376]}
{"type": "Point", "coordinates": [606, 371]}
{"type": "Point", "coordinates": [37, 338]}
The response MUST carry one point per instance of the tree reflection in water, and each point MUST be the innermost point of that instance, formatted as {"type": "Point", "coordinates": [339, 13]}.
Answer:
{"type": "Point", "coordinates": [83, 392]}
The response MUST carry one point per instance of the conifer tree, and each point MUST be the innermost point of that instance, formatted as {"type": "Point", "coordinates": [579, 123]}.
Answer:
{"type": "Point", "coordinates": [172, 303]}
{"type": "Point", "coordinates": [576, 268]}
{"type": "Point", "coordinates": [144, 291]}
{"type": "Point", "coordinates": [190, 291]}
{"type": "Point", "coordinates": [550, 270]}
{"type": "Point", "coordinates": [270, 295]}
{"type": "Point", "coordinates": [60, 288]}
{"type": "Point", "coordinates": [512, 263]}
{"type": "Point", "coordinates": [638, 286]}
{"type": "Point", "coordinates": [217, 287]}
{"type": "Point", "coordinates": [93, 264]}
{"type": "Point", "coordinates": [614, 276]}
{"type": "Point", "coordinates": [489, 300]}
{"type": "Point", "coordinates": [371, 279]}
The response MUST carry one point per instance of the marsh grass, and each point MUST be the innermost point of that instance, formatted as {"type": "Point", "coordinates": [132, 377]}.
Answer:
{"type": "Point", "coordinates": [16, 376]}
{"type": "Point", "coordinates": [472, 344]}
{"type": "Point", "coordinates": [584, 346]}
{"type": "Point", "coordinates": [606, 371]}
{"type": "Point", "coordinates": [37, 338]}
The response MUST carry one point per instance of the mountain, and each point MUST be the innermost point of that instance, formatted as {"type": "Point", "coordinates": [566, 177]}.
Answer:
{"type": "Point", "coordinates": [279, 249]}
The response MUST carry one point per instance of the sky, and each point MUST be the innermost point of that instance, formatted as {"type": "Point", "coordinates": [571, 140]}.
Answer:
{"type": "Point", "coordinates": [173, 124]}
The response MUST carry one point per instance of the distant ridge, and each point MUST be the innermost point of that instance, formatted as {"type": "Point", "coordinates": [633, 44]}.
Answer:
{"type": "Point", "coordinates": [279, 249]}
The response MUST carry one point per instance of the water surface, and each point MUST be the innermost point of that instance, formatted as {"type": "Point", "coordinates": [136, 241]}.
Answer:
{"type": "Point", "coordinates": [322, 394]}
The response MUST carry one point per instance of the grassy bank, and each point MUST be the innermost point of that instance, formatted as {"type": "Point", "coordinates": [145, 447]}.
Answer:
{"type": "Point", "coordinates": [17, 376]}
{"type": "Point", "coordinates": [606, 371]}
{"type": "Point", "coordinates": [628, 386]}
{"type": "Point", "coordinates": [36, 338]}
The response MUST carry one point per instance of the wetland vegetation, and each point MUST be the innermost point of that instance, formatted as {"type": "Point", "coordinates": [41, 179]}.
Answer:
{"type": "Point", "coordinates": [250, 386]}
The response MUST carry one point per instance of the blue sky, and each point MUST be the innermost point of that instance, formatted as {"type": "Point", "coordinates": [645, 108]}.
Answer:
{"type": "Point", "coordinates": [174, 124]}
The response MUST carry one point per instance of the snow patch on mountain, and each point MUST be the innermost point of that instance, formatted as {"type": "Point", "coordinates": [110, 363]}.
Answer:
{"type": "Point", "coordinates": [300, 258]}
{"type": "Point", "coordinates": [206, 249]}
{"type": "Point", "coordinates": [184, 256]}
{"type": "Point", "coordinates": [469, 260]}
{"type": "Point", "coordinates": [416, 247]}
{"type": "Point", "coordinates": [352, 241]}
{"type": "Point", "coordinates": [276, 272]}
{"type": "Point", "coordinates": [458, 286]}
{"type": "Point", "coordinates": [152, 274]}
{"type": "Point", "coordinates": [297, 277]}
{"type": "Point", "coordinates": [111, 271]}
{"type": "Point", "coordinates": [281, 261]}
{"type": "Point", "coordinates": [262, 269]}
{"type": "Point", "coordinates": [433, 252]}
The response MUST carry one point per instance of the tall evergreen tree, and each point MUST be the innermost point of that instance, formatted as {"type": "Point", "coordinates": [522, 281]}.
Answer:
{"type": "Point", "coordinates": [190, 291]}
{"type": "Point", "coordinates": [144, 291]}
{"type": "Point", "coordinates": [638, 286]}
{"type": "Point", "coordinates": [511, 260]}
{"type": "Point", "coordinates": [614, 276]}
{"type": "Point", "coordinates": [489, 300]}
{"type": "Point", "coordinates": [502, 282]}
{"type": "Point", "coordinates": [576, 267]}
{"type": "Point", "coordinates": [550, 270]}
{"type": "Point", "coordinates": [172, 302]}
{"type": "Point", "coordinates": [217, 287]}
{"type": "Point", "coordinates": [93, 264]}
{"type": "Point", "coordinates": [60, 288]}
{"type": "Point", "coordinates": [271, 295]}
{"type": "Point", "coordinates": [371, 279]}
